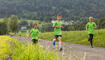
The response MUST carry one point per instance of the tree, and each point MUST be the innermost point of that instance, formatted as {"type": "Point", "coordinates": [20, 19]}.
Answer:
{"type": "Point", "coordinates": [4, 26]}
{"type": "Point", "coordinates": [13, 24]}
{"type": "Point", "coordinates": [100, 22]}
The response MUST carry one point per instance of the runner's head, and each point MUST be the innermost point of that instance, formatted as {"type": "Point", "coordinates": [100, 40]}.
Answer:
{"type": "Point", "coordinates": [35, 26]}
{"type": "Point", "coordinates": [90, 19]}
{"type": "Point", "coordinates": [19, 30]}
{"type": "Point", "coordinates": [58, 17]}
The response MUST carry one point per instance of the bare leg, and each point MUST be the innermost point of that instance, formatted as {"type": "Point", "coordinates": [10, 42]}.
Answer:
{"type": "Point", "coordinates": [60, 43]}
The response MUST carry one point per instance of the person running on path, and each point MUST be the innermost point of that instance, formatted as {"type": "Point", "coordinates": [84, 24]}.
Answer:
{"type": "Point", "coordinates": [58, 32]}
{"type": "Point", "coordinates": [34, 33]}
{"type": "Point", "coordinates": [20, 33]}
{"type": "Point", "coordinates": [90, 27]}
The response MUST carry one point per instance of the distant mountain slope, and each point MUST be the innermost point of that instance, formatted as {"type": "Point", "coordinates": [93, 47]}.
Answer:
{"type": "Point", "coordinates": [47, 9]}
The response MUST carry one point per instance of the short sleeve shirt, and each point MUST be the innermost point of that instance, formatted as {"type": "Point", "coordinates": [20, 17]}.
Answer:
{"type": "Point", "coordinates": [34, 33]}
{"type": "Point", "coordinates": [57, 31]}
{"type": "Point", "coordinates": [90, 27]}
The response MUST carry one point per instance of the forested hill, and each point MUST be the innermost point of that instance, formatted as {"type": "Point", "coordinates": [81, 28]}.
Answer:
{"type": "Point", "coordinates": [47, 9]}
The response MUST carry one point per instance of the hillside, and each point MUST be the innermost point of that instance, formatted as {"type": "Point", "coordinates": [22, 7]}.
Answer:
{"type": "Point", "coordinates": [47, 9]}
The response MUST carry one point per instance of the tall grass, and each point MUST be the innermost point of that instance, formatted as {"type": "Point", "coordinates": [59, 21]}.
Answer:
{"type": "Point", "coordinates": [32, 52]}
{"type": "Point", "coordinates": [28, 51]}
{"type": "Point", "coordinates": [79, 37]}
{"type": "Point", "coordinates": [22, 51]}
{"type": "Point", "coordinates": [5, 49]}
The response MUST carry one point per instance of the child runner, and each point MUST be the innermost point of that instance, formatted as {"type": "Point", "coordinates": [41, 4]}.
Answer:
{"type": "Point", "coordinates": [34, 33]}
{"type": "Point", "coordinates": [58, 32]}
{"type": "Point", "coordinates": [90, 27]}
{"type": "Point", "coordinates": [19, 33]}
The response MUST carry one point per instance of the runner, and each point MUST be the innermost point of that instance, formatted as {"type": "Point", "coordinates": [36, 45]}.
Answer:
{"type": "Point", "coordinates": [34, 33]}
{"type": "Point", "coordinates": [57, 32]}
{"type": "Point", "coordinates": [90, 27]}
{"type": "Point", "coordinates": [19, 33]}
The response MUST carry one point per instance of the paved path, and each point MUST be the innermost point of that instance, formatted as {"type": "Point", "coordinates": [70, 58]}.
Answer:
{"type": "Point", "coordinates": [72, 51]}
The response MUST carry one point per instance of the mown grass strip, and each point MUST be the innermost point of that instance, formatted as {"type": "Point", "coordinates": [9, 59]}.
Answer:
{"type": "Point", "coordinates": [78, 37]}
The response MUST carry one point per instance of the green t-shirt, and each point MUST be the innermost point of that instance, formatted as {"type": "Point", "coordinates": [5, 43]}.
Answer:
{"type": "Point", "coordinates": [57, 31]}
{"type": "Point", "coordinates": [19, 33]}
{"type": "Point", "coordinates": [90, 27]}
{"type": "Point", "coordinates": [34, 33]}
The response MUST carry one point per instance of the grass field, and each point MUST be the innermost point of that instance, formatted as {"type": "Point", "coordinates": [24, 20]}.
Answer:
{"type": "Point", "coordinates": [20, 51]}
{"type": "Point", "coordinates": [78, 37]}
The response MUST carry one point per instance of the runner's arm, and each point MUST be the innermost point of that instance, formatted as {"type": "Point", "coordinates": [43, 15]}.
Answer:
{"type": "Point", "coordinates": [94, 26]}
{"type": "Point", "coordinates": [86, 28]}
{"type": "Point", "coordinates": [61, 26]}
{"type": "Point", "coordinates": [29, 35]}
{"type": "Point", "coordinates": [38, 36]}
{"type": "Point", "coordinates": [57, 26]}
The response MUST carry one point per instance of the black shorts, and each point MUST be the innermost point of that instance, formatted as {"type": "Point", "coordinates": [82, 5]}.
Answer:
{"type": "Point", "coordinates": [56, 36]}
{"type": "Point", "coordinates": [34, 41]}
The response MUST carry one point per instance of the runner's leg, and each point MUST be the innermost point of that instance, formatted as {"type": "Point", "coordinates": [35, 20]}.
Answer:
{"type": "Point", "coordinates": [60, 43]}
{"type": "Point", "coordinates": [35, 41]}
{"type": "Point", "coordinates": [91, 38]}
{"type": "Point", "coordinates": [54, 40]}
{"type": "Point", "coordinates": [92, 41]}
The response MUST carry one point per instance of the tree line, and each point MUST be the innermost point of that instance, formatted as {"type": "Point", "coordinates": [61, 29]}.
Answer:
{"type": "Point", "coordinates": [14, 24]}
